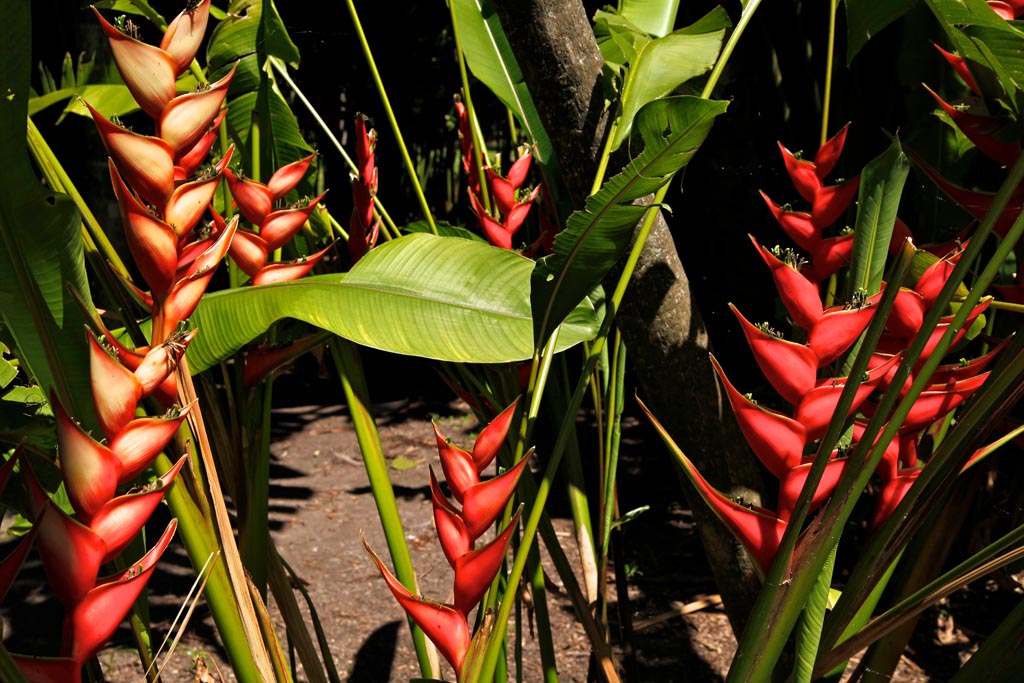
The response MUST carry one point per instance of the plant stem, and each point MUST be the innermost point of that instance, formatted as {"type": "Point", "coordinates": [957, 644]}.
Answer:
{"type": "Point", "coordinates": [829, 56]}
{"type": "Point", "coordinates": [479, 144]}
{"type": "Point", "coordinates": [413, 178]}
{"type": "Point", "coordinates": [748, 12]}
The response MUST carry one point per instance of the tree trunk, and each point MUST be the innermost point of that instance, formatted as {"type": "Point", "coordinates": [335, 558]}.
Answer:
{"type": "Point", "coordinates": [668, 343]}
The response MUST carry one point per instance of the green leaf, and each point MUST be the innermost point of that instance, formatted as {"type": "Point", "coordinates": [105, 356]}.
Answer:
{"type": "Point", "coordinates": [655, 17]}
{"type": "Point", "coordinates": [40, 243]}
{"type": "Point", "coordinates": [490, 58]}
{"type": "Point", "coordinates": [881, 185]}
{"type": "Point", "coordinates": [865, 18]}
{"type": "Point", "coordinates": [7, 372]}
{"type": "Point", "coordinates": [444, 230]}
{"type": "Point", "coordinates": [595, 238]}
{"type": "Point", "coordinates": [662, 65]}
{"type": "Point", "coordinates": [438, 297]}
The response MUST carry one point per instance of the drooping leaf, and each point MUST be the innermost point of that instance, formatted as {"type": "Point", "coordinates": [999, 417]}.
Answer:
{"type": "Point", "coordinates": [881, 185]}
{"type": "Point", "coordinates": [865, 18]}
{"type": "Point", "coordinates": [672, 129]}
{"type": "Point", "coordinates": [662, 65]}
{"type": "Point", "coordinates": [439, 297]}
{"type": "Point", "coordinates": [490, 58]}
{"type": "Point", "coordinates": [40, 243]}
{"type": "Point", "coordinates": [655, 17]}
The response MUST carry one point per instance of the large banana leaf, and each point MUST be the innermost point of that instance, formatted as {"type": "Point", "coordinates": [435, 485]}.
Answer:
{"type": "Point", "coordinates": [865, 18]}
{"type": "Point", "coordinates": [595, 238]}
{"type": "Point", "coordinates": [438, 297]}
{"type": "Point", "coordinates": [655, 17]}
{"type": "Point", "coordinates": [490, 58]}
{"type": "Point", "coordinates": [40, 242]}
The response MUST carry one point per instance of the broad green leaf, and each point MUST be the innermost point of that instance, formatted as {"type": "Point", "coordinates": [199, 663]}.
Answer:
{"type": "Point", "coordinates": [881, 185]}
{"type": "Point", "coordinates": [7, 372]}
{"type": "Point", "coordinates": [662, 65]}
{"type": "Point", "coordinates": [107, 98]}
{"type": "Point", "coordinates": [289, 145]}
{"type": "Point", "coordinates": [490, 58]}
{"type": "Point", "coordinates": [865, 18]}
{"type": "Point", "coordinates": [618, 39]}
{"type": "Point", "coordinates": [40, 243]}
{"type": "Point", "coordinates": [438, 297]}
{"type": "Point", "coordinates": [595, 238]}
{"type": "Point", "coordinates": [655, 17]}
{"type": "Point", "coordinates": [808, 635]}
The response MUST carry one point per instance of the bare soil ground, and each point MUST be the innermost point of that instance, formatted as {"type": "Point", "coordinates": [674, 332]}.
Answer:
{"type": "Point", "coordinates": [321, 502]}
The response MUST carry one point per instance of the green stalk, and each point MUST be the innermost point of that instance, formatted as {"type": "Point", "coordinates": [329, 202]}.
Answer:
{"type": "Point", "coordinates": [200, 542]}
{"type": "Point", "coordinates": [357, 395]}
{"type": "Point", "coordinates": [745, 16]}
{"type": "Point", "coordinates": [540, 615]}
{"type": "Point", "coordinates": [9, 671]}
{"type": "Point", "coordinates": [391, 116]}
{"type": "Point", "coordinates": [614, 402]}
{"type": "Point", "coordinates": [282, 71]}
{"type": "Point", "coordinates": [809, 632]}
{"type": "Point", "coordinates": [829, 56]}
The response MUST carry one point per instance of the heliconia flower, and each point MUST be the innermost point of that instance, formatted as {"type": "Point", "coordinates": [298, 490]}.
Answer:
{"type": "Point", "coordinates": [147, 161]}
{"type": "Point", "coordinates": [154, 366]}
{"type": "Point", "coordinates": [121, 519]}
{"type": "Point", "coordinates": [187, 117]}
{"type": "Point", "coordinates": [488, 443]}
{"type": "Point", "coordinates": [115, 389]}
{"type": "Point", "coordinates": [462, 469]}
{"type": "Point", "coordinates": [256, 200]}
{"type": "Point", "coordinates": [94, 618]}
{"type": "Point", "coordinates": [891, 494]}
{"type": "Point", "coordinates": [476, 569]}
{"type": "Point", "coordinates": [443, 624]}
{"type": "Point", "coordinates": [975, 203]}
{"type": "Point", "coordinates": [792, 484]}
{"type": "Point", "coordinates": [982, 131]}
{"type": "Point", "coordinates": [90, 470]}
{"type": "Point", "coordinates": [777, 441]}
{"type": "Point", "coordinates": [466, 145]}
{"type": "Point", "coordinates": [286, 271]}
{"type": "Point", "coordinates": [484, 501]}
{"type": "Point", "coordinates": [938, 400]}
{"type": "Point", "coordinates": [185, 33]}
{"type": "Point", "coordinates": [186, 164]}
{"type": "Point", "coordinates": [828, 255]}
{"type": "Point", "coordinates": [143, 439]}
{"type": "Point", "coordinates": [48, 669]}
{"type": "Point", "coordinates": [152, 242]}
{"type": "Point", "coordinates": [799, 295]}
{"type": "Point", "coordinates": [10, 564]}
{"type": "Point", "coordinates": [504, 189]}
{"type": "Point", "coordinates": [451, 529]}
{"type": "Point", "coordinates": [264, 359]}
{"type": "Point", "coordinates": [190, 200]}
{"type": "Point", "coordinates": [148, 71]}
{"type": "Point", "coordinates": [363, 228]}
{"type": "Point", "coordinates": [960, 66]}
{"type": "Point", "coordinates": [791, 368]}
{"type": "Point", "coordinates": [1006, 9]}
{"type": "Point", "coordinates": [817, 408]}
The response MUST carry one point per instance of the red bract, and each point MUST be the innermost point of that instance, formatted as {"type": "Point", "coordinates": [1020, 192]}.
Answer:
{"type": "Point", "coordinates": [363, 229]}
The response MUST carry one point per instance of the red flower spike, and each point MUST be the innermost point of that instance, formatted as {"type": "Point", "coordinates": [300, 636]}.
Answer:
{"type": "Point", "coordinates": [249, 251]}
{"type": "Point", "coordinates": [937, 401]}
{"type": "Point", "coordinates": [933, 279]}
{"type": "Point", "coordinates": [71, 553]}
{"type": "Point", "coordinates": [186, 294]}
{"type": "Point", "coordinates": [148, 162]}
{"type": "Point", "coordinates": [907, 314]}
{"type": "Point", "coordinates": [503, 191]}
{"type": "Point", "coordinates": [797, 225]}
{"type": "Point", "coordinates": [759, 530]}
{"type": "Point", "coordinates": [495, 232]}
{"type": "Point", "coordinates": [891, 495]}
{"type": "Point", "coordinates": [48, 669]}
{"type": "Point", "coordinates": [476, 569]}
{"type": "Point", "coordinates": [186, 118]}
{"type": "Point", "coordinates": [91, 622]}
{"type": "Point", "coordinates": [189, 200]}
{"type": "Point", "coordinates": [115, 390]}
{"type": "Point", "coordinates": [803, 174]}
{"type": "Point", "coordinates": [831, 202]}
{"type": "Point", "coordinates": [514, 219]}
{"type": "Point", "coordinates": [981, 131]}
{"type": "Point", "coordinates": [158, 364]}
{"type": "Point", "coordinates": [451, 530]}
{"type": "Point", "coordinates": [287, 177]}
{"type": "Point", "coordinates": [960, 67]}
{"type": "Point", "coordinates": [280, 226]}
{"type": "Point", "coordinates": [188, 162]}
{"type": "Point", "coordinates": [777, 441]}
{"type": "Point", "coordinates": [799, 295]}
{"type": "Point", "coordinates": [955, 372]}
{"type": "Point", "coordinates": [289, 270]}
{"type": "Point", "coordinates": [118, 522]}
{"type": "Point", "coordinates": [828, 154]}
{"type": "Point", "coordinates": [445, 626]}
{"type": "Point", "coordinates": [485, 501]}
{"type": "Point", "coordinates": [148, 71]}
{"type": "Point", "coordinates": [90, 470]}
{"type": "Point", "coordinates": [152, 242]}
{"type": "Point", "coordinates": [491, 437]}
{"type": "Point", "coordinates": [254, 199]}
{"type": "Point", "coordinates": [890, 461]}
{"type": "Point", "coordinates": [838, 329]}
{"type": "Point", "coordinates": [790, 368]}
{"type": "Point", "coordinates": [816, 409]}
{"type": "Point", "coordinates": [144, 299]}
{"type": "Point", "coordinates": [907, 449]}
{"type": "Point", "coordinates": [457, 464]}
{"type": "Point", "coordinates": [10, 565]}
{"type": "Point", "coordinates": [142, 440]}
{"type": "Point", "coordinates": [828, 256]}
{"type": "Point", "coordinates": [793, 483]}
{"type": "Point", "coordinates": [185, 34]}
